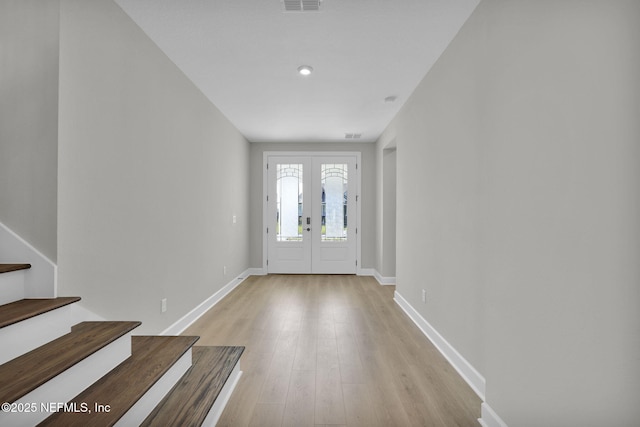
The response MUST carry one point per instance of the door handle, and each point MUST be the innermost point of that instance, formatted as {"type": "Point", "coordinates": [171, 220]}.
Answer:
{"type": "Point", "coordinates": [308, 228]}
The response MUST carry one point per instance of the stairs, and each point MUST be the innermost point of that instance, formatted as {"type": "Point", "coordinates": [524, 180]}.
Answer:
{"type": "Point", "coordinates": [58, 371]}
{"type": "Point", "coordinates": [24, 309]}
{"type": "Point", "coordinates": [212, 365]}
{"type": "Point", "coordinates": [6, 268]}
{"type": "Point", "coordinates": [12, 282]}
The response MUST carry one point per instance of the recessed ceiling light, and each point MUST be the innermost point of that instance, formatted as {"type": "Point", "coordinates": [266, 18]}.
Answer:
{"type": "Point", "coordinates": [305, 70]}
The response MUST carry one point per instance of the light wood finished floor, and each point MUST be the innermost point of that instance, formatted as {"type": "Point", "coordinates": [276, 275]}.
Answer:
{"type": "Point", "coordinates": [332, 350]}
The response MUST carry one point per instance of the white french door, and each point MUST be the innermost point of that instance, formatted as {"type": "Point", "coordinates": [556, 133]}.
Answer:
{"type": "Point", "coordinates": [311, 214]}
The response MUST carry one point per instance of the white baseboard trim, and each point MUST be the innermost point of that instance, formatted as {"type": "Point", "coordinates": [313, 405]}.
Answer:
{"type": "Point", "coordinates": [256, 272]}
{"type": "Point", "coordinates": [359, 271]}
{"type": "Point", "coordinates": [373, 272]}
{"type": "Point", "coordinates": [460, 364]}
{"type": "Point", "coordinates": [489, 418]}
{"type": "Point", "coordinates": [183, 323]}
{"type": "Point", "coordinates": [384, 280]}
{"type": "Point", "coordinates": [365, 271]}
{"type": "Point", "coordinates": [40, 281]}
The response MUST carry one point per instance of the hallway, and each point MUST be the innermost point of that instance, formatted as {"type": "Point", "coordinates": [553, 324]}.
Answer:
{"type": "Point", "coordinates": [332, 350]}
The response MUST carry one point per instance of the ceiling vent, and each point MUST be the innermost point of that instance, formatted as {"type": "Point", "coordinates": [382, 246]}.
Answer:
{"type": "Point", "coordinates": [301, 5]}
{"type": "Point", "coordinates": [352, 135]}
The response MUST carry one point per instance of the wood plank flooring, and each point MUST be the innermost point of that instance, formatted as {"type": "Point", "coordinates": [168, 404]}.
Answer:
{"type": "Point", "coordinates": [332, 350]}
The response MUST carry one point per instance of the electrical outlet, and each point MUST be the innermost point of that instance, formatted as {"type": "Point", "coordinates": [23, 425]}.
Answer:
{"type": "Point", "coordinates": [224, 270]}
{"type": "Point", "coordinates": [234, 219]}
{"type": "Point", "coordinates": [163, 305]}
{"type": "Point", "coordinates": [424, 296]}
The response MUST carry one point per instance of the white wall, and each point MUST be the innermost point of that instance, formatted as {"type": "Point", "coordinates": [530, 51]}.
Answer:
{"type": "Point", "coordinates": [29, 121]}
{"type": "Point", "coordinates": [150, 175]}
{"type": "Point", "coordinates": [389, 191]}
{"type": "Point", "coordinates": [518, 155]}
{"type": "Point", "coordinates": [368, 193]}
{"type": "Point", "coordinates": [385, 142]}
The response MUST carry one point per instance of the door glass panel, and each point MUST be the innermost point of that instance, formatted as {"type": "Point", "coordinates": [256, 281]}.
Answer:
{"type": "Point", "coordinates": [334, 202]}
{"type": "Point", "coordinates": [289, 202]}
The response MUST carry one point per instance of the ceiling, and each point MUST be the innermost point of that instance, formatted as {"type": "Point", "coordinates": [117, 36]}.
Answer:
{"type": "Point", "coordinates": [244, 55]}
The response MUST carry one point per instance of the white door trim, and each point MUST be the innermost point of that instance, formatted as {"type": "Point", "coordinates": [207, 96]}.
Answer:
{"type": "Point", "coordinates": [265, 179]}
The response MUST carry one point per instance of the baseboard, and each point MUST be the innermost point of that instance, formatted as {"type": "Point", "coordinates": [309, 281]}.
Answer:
{"type": "Point", "coordinates": [373, 272]}
{"type": "Point", "coordinates": [366, 272]}
{"type": "Point", "coordinates": [489, 418]}
{"type": "Point", "coordinates": [255, 271]}
{"type": "Point", "coordinates": [40, 281]}
{"type": "Point", "coordinates": [178, 327]}
{"type": "Point", "coordinates": [384, 280]}
{"type": "Point", "coordinates": [460, 364]}
{"type": "Point", "coordinates": [359, 271]}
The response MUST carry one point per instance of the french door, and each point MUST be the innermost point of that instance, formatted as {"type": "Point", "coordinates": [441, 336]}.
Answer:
{"type": "Point", "coordinates": [311, 214]}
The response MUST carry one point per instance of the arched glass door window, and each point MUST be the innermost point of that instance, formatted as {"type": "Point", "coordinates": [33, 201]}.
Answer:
{"type": "Point", "coordinates": [289, 202]}
{"type": "Point", "coordinates": [334, 181]}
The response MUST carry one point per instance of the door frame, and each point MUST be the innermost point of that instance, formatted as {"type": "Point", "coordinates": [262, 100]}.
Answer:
{"type": "Point", "coordinates": [265, 187]}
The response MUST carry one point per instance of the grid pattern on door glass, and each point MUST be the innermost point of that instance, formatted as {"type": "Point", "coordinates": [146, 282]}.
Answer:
{"type": "Point", "coordinates": [289, 202]}
{"type": "Point", "coordinates": [334, 180]}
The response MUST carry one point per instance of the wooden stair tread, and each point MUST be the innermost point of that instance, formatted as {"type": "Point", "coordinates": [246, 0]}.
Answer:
{"type": "Point", "coordinates": [151, 357]}
{"type": "Point", "coordinates": [6, 268]}
{"type": "Point", "coordinates": [189, 401]}
{"type": "Point", "coordinates": [17, 311]}
{"type": "Point", "coordinates": [27, 372]}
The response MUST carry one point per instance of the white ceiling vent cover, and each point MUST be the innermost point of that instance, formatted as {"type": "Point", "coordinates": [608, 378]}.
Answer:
{"type": "Point", "coordinates": [301, 5]}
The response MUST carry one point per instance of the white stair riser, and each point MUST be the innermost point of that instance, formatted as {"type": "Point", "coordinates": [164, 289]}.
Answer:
{"type": "Point", "coordinates": [29, 334]}
{"type": "Point", "coordinates": [70, 383]}
{"type": "Point", "coordinates": [137, 414]}
{"type": "Point", "coordinates": [11, 286]}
